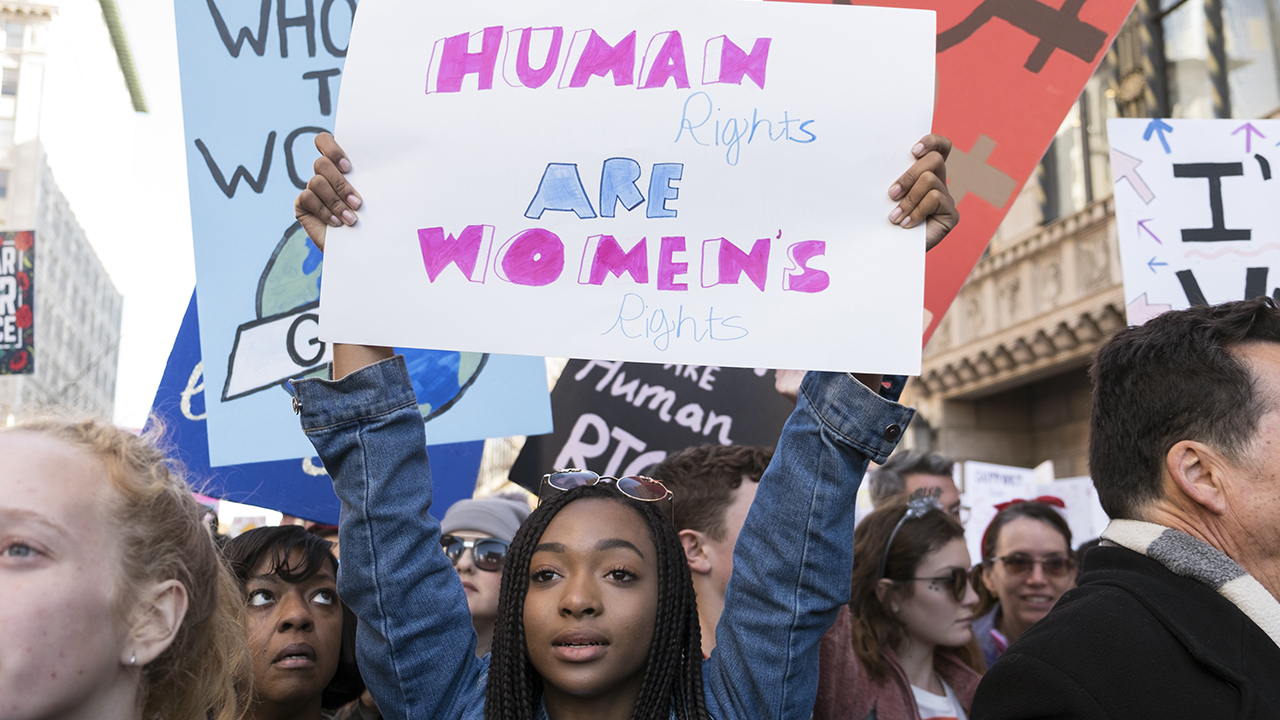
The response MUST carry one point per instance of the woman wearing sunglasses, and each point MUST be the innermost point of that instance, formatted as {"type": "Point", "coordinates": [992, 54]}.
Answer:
{"type": "Point", "coordinates": [903, 649]}
{"type": "Point", "coordinates": [1027, 564]}
{"type": "Point", "coordinates": [477, 534]}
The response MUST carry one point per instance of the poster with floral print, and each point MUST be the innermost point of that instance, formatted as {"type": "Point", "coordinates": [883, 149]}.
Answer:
{"type": "Point", "coordinates": [17, 301]}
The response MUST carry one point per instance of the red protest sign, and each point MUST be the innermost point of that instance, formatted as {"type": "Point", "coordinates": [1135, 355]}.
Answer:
{"type": "Point", "coordinates": [1008, 73]}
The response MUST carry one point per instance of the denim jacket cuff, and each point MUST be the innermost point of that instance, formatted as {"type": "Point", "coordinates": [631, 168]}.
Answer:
{"type": "Point", "coordinates": [373, 390]}
{"type": "Point", "coordinates": [869, 421]}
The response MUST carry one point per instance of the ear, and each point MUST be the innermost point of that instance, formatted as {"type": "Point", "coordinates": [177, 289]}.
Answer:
{"type": "Point", "coordinates": [885, 593]}
{"type": "Point", "coordinates": [695, 551]}
{"type": "Point", "coordinates": [987, 582]}
{"type": "Point", "coordinates": [160, 614]}
{"type": "Point", "coordinates": [1200, 473]}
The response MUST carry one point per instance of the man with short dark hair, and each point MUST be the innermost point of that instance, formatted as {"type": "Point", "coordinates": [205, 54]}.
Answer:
{"type": "Point", "coordinates": [713, 487]}
{"type": "Point", "coordinates": [909, 470]}
{"type": "Point", "coordinates": [1176, 613]}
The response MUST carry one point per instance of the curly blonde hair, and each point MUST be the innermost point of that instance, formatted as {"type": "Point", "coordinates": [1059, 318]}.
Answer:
{"type": "Point", "coordinates": [163, 538]}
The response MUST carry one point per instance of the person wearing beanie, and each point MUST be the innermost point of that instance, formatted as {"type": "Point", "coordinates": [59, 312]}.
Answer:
{"type": "Point", "coordinates": [476, 534]}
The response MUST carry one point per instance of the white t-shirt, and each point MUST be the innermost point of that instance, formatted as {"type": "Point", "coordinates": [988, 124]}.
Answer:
{"type": "Point", "coordinates": [938, 707]}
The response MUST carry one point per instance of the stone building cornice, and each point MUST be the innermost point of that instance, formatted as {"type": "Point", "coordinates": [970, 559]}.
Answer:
{"type": "Point", "coordinates": [24, 8]}
{"type": "Point", "coordinates": [1040, 304]}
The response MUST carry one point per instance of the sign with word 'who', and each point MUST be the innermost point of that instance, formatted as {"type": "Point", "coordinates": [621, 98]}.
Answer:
{"type": "Point", "coordinates": [649, 181]}
{"type": "Point", "coordinates": [296, 486]}
{"type": "Point", "coordinates": [259, 82]}
{"type": "Point", "coordinates": [1195, 209]}
{"type": "Point", "coordinates": [17, 303]}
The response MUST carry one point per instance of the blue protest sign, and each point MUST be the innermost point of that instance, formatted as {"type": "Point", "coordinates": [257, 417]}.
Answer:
{"type": "Point", "coordinates": [298, 487]}
{"type": "Point", "coordinates": [259, 82]}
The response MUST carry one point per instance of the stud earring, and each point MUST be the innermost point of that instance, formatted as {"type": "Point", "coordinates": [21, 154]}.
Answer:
{"type": "Point", "coordinates": [133, 659]}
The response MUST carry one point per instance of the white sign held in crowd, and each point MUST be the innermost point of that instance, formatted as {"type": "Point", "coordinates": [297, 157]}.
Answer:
{"type": "Point", "coordinates": [1195, 209]}
{"type": "Point", "coordinates": [653, 181]}
{"type": "Point", "coordinates": [985, 486]}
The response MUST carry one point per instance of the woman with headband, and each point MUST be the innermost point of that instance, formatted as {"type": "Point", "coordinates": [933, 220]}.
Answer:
{"type": "Point", "coordinates": [903, 649]}
{"type": "Point", "coordinates": [1027, 564]}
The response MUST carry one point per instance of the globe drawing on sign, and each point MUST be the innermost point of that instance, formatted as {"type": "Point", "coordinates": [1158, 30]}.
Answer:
{"type": "Point", "coordinates": [292, 279]}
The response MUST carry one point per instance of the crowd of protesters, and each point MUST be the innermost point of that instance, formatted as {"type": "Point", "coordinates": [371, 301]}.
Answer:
{"type": "Point", "coordinates": [733, 583]}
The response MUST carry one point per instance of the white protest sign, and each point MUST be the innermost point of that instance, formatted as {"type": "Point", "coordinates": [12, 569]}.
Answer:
{"type": "Point", "coordinates": [985, 486]}
{"type": "Point", "coordinates": [1195, 209]}
{"type": "Point", "coordinates": [1084, 513]}
{"type": "Point", "coordinates": [675, 182]}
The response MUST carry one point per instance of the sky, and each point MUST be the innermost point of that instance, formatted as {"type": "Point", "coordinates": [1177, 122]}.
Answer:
{"type": "Point", "coordinates": [124, 174]}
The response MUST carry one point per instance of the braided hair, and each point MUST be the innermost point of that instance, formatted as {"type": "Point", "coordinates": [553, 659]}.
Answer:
{"type": "Point", "coordinates": [673, 673]}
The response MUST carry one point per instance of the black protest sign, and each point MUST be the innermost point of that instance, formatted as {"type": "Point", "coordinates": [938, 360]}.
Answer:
{"type": "Point", "coordinates": [620, 418]}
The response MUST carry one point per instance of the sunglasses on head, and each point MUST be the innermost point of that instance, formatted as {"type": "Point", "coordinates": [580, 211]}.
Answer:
{"type": "Point", "coordinates": [636, 487]}
{"type": "Point", "coordinates": [486, 553]}
{"type": "Point", "coordinates": [957, 582]}
{"type": "Point", "coordinates": [1021, 564]}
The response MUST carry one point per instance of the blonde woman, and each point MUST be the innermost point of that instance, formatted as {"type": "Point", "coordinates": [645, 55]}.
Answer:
{"type": "Point", "coordinates": [115, 604]}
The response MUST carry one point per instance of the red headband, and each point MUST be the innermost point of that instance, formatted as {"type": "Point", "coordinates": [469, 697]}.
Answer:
{"type": "Point", "coordinates": [1001, 507]}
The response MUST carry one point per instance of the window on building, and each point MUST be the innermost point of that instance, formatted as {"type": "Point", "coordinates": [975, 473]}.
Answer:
{"type": "Point", "coordinates": [4, 184]}
{"type": "Point", "coordinates": [9, 82]}
{"type": "Point", "coordinates": [1186, 56]}
{"type": "Point", "coordinates": [1074, 171]}
{"type": "Point", "coordinates": [1252, 28]}
{"type": "Point", "coordinates": [13, 36]}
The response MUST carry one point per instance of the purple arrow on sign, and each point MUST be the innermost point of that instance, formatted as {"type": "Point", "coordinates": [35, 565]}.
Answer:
{"type": "Point", "coordinates": [1142, 225]}
{"type": "Point", "coordinates": [1249, 132]}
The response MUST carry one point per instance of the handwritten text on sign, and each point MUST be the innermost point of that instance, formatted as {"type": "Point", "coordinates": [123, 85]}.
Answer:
{"type": "Point", "coordinates": [701, 183]}
{"type": "Point", "coordinates": [1195, 207]}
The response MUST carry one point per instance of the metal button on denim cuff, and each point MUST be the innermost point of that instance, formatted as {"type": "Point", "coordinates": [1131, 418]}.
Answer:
{"type": "Point", "coordinates": [893, 432]}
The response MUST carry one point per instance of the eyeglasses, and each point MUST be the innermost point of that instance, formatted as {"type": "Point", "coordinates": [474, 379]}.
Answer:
{"type": "Point", "coordinates": [636, 487]}
{"type": "Point", "coordinates": [959, 582]}
{"type": "Point", "coordinates": [486, 553]}
{"type": "Point", "coordinates": [1021, 564]}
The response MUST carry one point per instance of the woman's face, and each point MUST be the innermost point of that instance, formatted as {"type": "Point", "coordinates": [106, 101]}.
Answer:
{"type": "Point", "coordinates": [931, 614]}
{"type": "Point", "coordinates": [64, 647]}
{"type": "Point", "coordinates": [482, 586]}
{"type": "Point", "coordinates": [592, 602]}
{"type": "Point", "coordinates": [1027, 597]}
{"type": "Point", "coordinates": [295, 634]}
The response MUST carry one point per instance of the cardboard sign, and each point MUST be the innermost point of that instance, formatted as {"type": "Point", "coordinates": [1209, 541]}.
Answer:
{"type": "Point", "coordinates": [620, 418]}
{"type": "Point", "coordinates": [1195, 210]}
{"type": "Point", "coordinates": [985, 486]}
{"type": "Point", "coordinates": [1008, 73]}
{"type": "Point", "coordinates": [259, 81]}
{"type": "Point", "coordinates": [299, 486]}
{"type": "Point", "coordinates": [17, 302]}
{"type": "Point", "coordinates": [652, 181]}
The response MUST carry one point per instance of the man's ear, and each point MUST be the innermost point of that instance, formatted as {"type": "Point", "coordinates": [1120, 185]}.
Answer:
{"type": "Point", "coordinates": [695, 551]}
{"type": "Point", "coordinates": [159, 615]}
{"type": "Point", "coordinates": [1199, 473]}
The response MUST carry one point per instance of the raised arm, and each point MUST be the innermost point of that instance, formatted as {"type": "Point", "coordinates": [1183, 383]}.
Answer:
{"type": "Point", "coordinates": [794, 558]}
{"type": "Point", "coordinates": [416, 645]}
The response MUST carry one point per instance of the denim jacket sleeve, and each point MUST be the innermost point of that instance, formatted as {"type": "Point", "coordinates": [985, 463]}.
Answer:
{"type": "Point", "coordinates": [793, 561]}
{"type": "Point", "coordinates": [415, 643]}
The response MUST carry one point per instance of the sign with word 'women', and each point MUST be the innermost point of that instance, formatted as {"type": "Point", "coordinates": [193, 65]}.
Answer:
{"type": "Point", "coordinates": [663, 181]}
{"type": "Point", "coordinates": [1195, 210]}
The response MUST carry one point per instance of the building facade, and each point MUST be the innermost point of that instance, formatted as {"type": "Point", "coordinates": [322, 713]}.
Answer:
{"type": "Point", "coordinates": [77, 309]}
{"type": "Point", "coordinates": [1005, 376]}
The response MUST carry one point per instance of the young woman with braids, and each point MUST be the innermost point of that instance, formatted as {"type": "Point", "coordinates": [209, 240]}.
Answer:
{"type": "Point", "coordinates": [596, 617]}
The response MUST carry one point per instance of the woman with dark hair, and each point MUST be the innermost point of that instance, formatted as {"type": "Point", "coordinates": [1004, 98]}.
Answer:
{"type": "Point", "coordinates": [1027, 564]}
{"type": "Point", "coordinates": [301, 636]}
{"type": "Point", "coordinates": [902, 650]}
